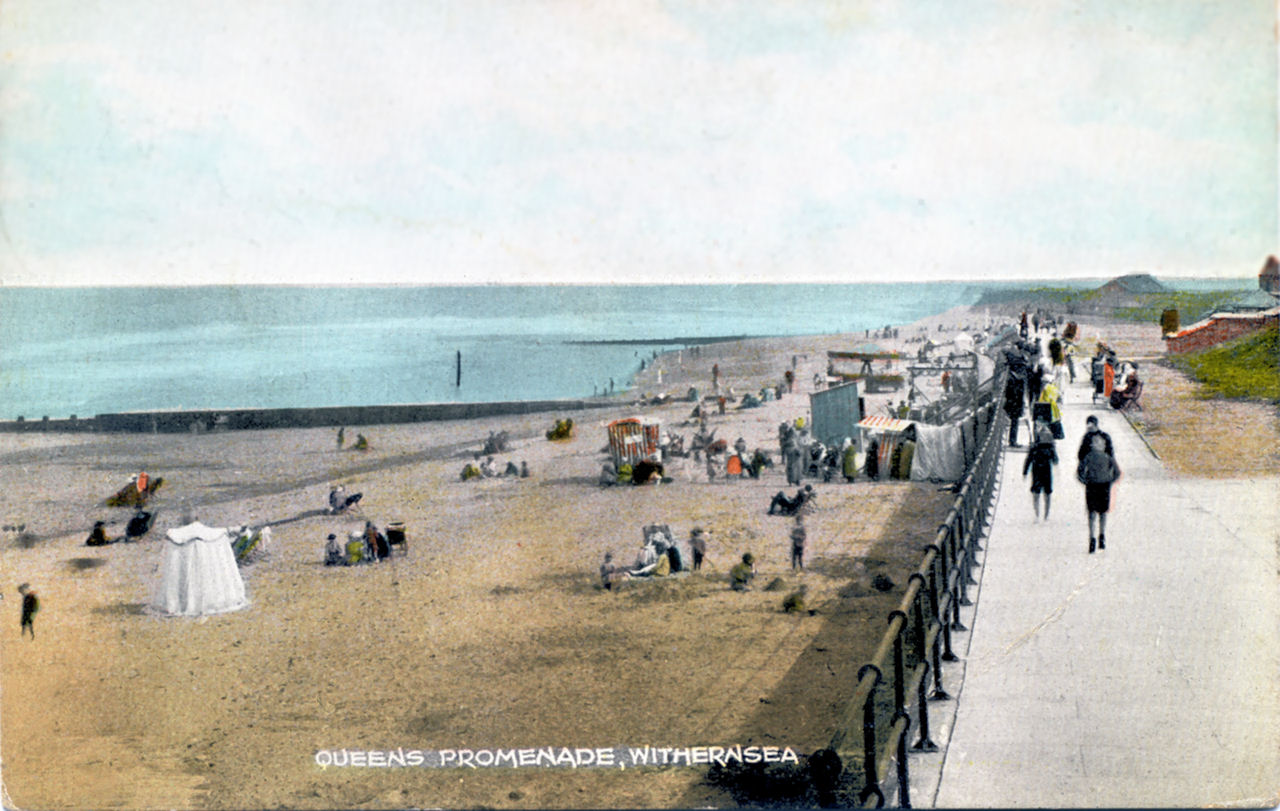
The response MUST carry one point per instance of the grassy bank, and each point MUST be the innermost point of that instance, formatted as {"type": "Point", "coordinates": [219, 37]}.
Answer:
{"type": "Point", "coordinates": [1189, 304]}
{"type": "Point", "coordinates": [1247, 367]}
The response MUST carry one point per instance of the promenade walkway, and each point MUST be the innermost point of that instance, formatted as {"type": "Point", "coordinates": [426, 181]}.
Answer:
{"type": "Point", "coordinates": [1142, 675]}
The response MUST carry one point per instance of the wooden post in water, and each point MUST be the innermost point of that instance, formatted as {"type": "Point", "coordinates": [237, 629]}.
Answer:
{"type": "Point", "coordinates": [458, 377]}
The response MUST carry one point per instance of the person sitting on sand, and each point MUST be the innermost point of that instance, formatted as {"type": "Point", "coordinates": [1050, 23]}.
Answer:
{"type": "Point", "coordinates": [489, 468]}
{"type": "Point", "coordinates": [333, 554]}
{"type": "Point", "coordinates": [781, 505]}
{"type": "Point", "coordinates": [339, 501]}
{"type": "Point", "coordinates": [362, 444]}
{"type": "Point", "coordinates": [138, 526]}
{"type": "Point", "coordinates": [645, 561]}
{"type": "Point", "coordinates": [608, 475]}
{"type": "Point", "coordinates": [98, 535]}
{"type": "Point", "coordinates": [376, 541]}
{"type": "Point", "coordinates": [740, 575]}
{"type": "Point", "coordinates": [647, 471]}
{"type": "Point", "coordinates": [652, 561]}
{"type": "Point", "coordinates": [674, 557]}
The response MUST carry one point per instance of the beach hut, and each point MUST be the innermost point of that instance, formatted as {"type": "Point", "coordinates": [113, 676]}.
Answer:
{"type": "Point", "coordinates": [633, 439]}
{"type": "Point", "coordinates": [198, 573]}
{"type": "Point", "coordinates": [891, 435]}
{"type": "Point", "coordinates": [836, 412]}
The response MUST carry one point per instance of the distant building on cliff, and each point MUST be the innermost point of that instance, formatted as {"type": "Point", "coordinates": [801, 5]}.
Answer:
{"type": "Point", "coordinates": [1246, 313]}
{"type": "Point", "coordinates": [1127, 291]}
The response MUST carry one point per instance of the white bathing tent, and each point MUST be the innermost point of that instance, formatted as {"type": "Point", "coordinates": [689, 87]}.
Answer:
{"type": "Point", "coordinates": [198, 574]}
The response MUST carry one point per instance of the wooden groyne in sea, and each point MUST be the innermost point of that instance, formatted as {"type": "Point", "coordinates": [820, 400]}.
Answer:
{"type": "Point", "coordinates": [240, 419]}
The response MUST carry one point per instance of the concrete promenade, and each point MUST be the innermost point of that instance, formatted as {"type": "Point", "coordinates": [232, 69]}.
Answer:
{"type": "Point", "coordinates": [1143, 675]}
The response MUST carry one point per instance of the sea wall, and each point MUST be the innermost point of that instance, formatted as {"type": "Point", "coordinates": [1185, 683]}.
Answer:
{"type": "Point", "coordinates": [198, 421]}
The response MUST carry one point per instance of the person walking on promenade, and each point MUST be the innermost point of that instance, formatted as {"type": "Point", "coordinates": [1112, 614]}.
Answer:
{"type": "Point", "coordinates": [1091, 430]}
{"type": "Point", "coordinates": [1098, 471]}
{"type": "Point", "coordinates": [1015, 396]}
{"type": "Point", "coordinates": [30, 605]}
{"type": "Point", "coordinates": [1039, 463]}
{"type": "Point", "coordinates": [798, 535]}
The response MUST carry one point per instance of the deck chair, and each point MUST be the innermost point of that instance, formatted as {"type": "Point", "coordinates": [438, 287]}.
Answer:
{"type": "Point", "coordinates": [1132, 403]}
{"type": "Point", "coordinates": [396, 539]}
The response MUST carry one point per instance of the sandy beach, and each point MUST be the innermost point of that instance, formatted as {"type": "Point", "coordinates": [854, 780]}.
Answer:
{"type": "Point", "coordinates": [491, 632]}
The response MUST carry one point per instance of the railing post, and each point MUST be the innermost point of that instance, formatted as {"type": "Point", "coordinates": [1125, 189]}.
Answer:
{"type": "Point", "coordinates": [904, 795]}
{"type": "Point", "coordinates": [924, 744]}
{"type": "Point", "coordinates": [871, 780]}
{"type": "Point", "coordinates": [899, 665]}
{"type": "Point", "coordinates": [970, 550]}
{"type": "Point", "coordinates": [938, 694]}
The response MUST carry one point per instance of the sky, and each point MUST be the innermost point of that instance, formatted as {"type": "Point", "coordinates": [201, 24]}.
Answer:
{"type": "Point", "coordinates": [569, 141]}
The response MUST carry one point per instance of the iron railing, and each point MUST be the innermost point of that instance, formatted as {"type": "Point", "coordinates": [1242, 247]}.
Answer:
{"type": "Point", "coordinates": [893, 691]}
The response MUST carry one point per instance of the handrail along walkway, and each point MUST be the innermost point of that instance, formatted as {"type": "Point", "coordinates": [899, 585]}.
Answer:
{"type": "Point", "coordinates": [918, 638]}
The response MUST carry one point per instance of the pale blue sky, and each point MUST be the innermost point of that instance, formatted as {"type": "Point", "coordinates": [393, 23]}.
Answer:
{"type": "Point", "coordinates": [528, 141]}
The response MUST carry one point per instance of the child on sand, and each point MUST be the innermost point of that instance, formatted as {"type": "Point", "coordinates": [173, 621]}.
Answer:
{"type": "Point", "coordinates": [698, 544]}
{"type": "Point", "coordinates": [30, 605]}
{"type": "Point", "coordinates": [798, 535]}
{"type": "Point", "coordinates": [741, 574]}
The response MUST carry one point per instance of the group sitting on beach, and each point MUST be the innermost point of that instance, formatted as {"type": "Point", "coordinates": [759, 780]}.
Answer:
{"type": "Point", "coordinates": [488, 469]}
{"type": "Point", "coordinates": [365, 546]}
{"type": "Point", "coordinates": [659, 556]}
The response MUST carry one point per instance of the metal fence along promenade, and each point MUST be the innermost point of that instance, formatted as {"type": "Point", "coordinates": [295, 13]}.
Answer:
{"type": "Point", "coordinates": [890, 702]}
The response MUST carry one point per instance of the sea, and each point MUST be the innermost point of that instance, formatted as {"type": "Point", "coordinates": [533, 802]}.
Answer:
{"type": "Point", "coordinates": [91, 350]}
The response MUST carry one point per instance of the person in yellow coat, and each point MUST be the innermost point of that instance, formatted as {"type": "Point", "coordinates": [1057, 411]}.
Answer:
{"type": "Point", "coordinates": [1051, 395]}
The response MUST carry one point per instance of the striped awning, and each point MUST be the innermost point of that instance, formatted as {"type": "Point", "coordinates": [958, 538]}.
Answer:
{"type": "Point", "coordinates": [877, 423]}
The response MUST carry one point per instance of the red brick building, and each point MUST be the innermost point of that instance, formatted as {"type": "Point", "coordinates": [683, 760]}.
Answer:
{"type": "Point", "coordinates": [1220, 327]}
{"type": "Point", "coordinates": [1251, 312]}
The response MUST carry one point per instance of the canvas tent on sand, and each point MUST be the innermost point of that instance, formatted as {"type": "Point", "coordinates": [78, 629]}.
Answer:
{"type": "Point", "coordinates": [198, 574]}
{"type": "Point", "coordinates": [937, 450]}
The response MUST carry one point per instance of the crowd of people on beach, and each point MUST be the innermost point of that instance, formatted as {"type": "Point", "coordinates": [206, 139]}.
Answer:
{"type": "Point", "coordinates": [1040, 363]}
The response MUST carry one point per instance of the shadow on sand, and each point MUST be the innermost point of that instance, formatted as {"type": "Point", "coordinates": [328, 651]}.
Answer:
{"type": "Point", "coordinates": [802, 712]}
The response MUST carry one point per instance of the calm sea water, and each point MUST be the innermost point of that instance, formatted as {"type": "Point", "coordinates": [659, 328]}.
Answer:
{"type": "Point", "coordinates": [85, 351]}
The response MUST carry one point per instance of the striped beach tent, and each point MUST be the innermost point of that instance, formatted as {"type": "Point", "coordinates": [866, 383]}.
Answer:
{"type": "Point", "coordinates": [633, 439]}
{"type": "Point", "coordinates": [891, 430]}
{"type": "Point", "coordinates": [884, 424]}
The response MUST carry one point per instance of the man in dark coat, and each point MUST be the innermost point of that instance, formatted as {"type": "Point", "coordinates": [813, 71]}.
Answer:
{"type": "Point", "coordinates": [1015, 391]}
{"type": "Point", "coordinates": [1090, 430]}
